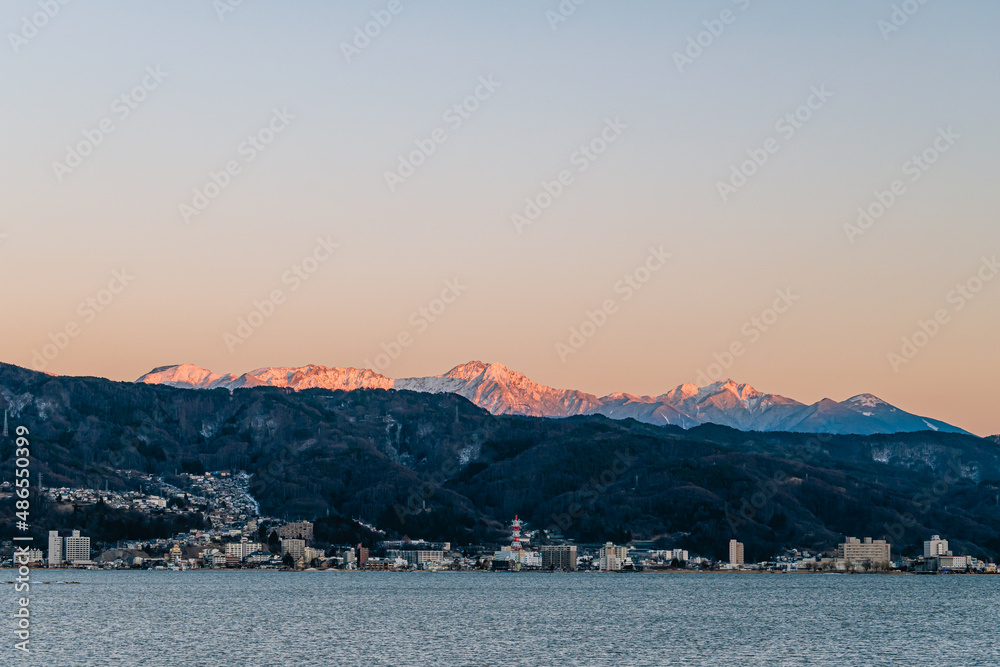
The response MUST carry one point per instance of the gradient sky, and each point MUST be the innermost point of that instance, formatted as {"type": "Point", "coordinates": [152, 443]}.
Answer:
{"type": "Point", "coordinates": [656, 185]}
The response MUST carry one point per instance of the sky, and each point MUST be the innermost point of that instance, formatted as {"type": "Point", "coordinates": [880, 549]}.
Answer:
{"type": "Point", "coordinates": [604, 196]}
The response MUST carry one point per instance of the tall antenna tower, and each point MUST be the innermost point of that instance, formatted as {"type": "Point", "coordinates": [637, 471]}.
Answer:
{"type": "Point", "coordinates": [515, 543]}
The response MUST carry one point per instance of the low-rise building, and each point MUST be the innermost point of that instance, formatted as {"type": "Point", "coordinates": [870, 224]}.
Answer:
{"type": "Point", "coordinates": [416, 557]}
{"type": "Point", "coordinates": [865, 552]}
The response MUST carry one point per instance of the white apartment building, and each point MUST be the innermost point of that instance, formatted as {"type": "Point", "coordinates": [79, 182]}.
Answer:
{"type": "Point", "coordinates": [55, 549]}
{"type": "Point", "coordinates": [951, 562]}
{"type": "Point", "coordinates": [735, 552]}
{"type": "Point", "coordinates": [297, 548]}
{"type": "Point", "coordinates": [935, 547]}
{"type": "Point", "coordinates": [614, 559]}
{"type": "Point", "coordinates": [77, 548]}
{"type": "Point", "coordinates": [417, 556]}
{"type": "Point", "coordinates": [243, 548]}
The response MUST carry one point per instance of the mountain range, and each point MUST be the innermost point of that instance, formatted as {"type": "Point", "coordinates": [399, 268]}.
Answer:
{"type": "Point", "coordinates": [434, 465]}
{"type": "Point", "coordinates": [502, 391]}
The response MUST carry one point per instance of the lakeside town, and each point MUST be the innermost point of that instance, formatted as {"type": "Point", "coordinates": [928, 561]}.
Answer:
{"type": "Point", "coordinates": [240, 538]}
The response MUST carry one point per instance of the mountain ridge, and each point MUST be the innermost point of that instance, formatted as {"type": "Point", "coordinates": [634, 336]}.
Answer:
{"type": "Point", "coordinates": [503, 391]}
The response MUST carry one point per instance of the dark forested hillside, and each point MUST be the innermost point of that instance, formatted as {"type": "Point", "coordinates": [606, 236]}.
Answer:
{"type": "Point", "coordinates": [436, 466]}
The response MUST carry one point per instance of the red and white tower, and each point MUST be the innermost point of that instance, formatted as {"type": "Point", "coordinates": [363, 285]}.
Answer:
{"type": "Point", "coordinates": [515, 543]}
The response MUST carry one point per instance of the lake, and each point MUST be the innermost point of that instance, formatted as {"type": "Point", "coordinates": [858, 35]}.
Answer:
{"type": "Point", "coordinates": [362, 618]}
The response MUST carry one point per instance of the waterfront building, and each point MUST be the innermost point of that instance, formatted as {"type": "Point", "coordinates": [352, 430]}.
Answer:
{"type": "Point", "coordinates": [614, 558]}
{"type": "Point", "coordinates": [77, 548]}
{"type": "Point", "coordinates": [867, 551]}
{"type": "Point", "coordinates": [310, 554]}
{"type": "Point", "coordinates": [559, 557]}
{"type": "Point", "coordinates": [413, 545]}
{"type": "Point", "coordinates": [243, 548]}
{"type": "Point", "coordinates": [935, 547]}
{"type": "Point", "coordinates": [55, 549]}
{"type": "Point", "coordinates": [735, 553]}
{"type": "Point", "coordinates": [295, 547]}
{"type": "Point", "coordinates": [951, 562]}
{"type": "Point", "coordinates": [417, 557]}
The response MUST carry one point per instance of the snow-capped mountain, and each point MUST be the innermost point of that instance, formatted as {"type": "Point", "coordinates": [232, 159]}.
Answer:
{"type": "Point", "coordinates": [502, 391]}
{"type": "Point", "coordinates": [505, 392]}
{"type": "Point", "coordinates": [188, 376]}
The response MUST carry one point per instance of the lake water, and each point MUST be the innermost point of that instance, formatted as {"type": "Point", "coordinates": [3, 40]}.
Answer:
{"type": "Point", "coordinates": [344, 618]}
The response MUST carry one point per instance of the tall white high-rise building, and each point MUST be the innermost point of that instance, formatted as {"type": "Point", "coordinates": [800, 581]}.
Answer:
{"type": "Point", "coordinates": [55, 549]}
{"type": "Point", "coordinates": [77, 548]}
{"type": "Point", "coordinates": [935, 547]}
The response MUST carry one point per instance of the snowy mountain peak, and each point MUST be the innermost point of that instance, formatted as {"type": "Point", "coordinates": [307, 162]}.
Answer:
{"type": "Point", "coordinates": [743, 392]}
{"type": "Point", "coordinates": [496, 388]}
{"type": "Point", "coordinates": [475, 369]}
{"type": "Point", "coordinates": [184, 375]}
{"type": "Point", "coordinates": [866, 400]}
{"type": "Point", "coordinates": [189, 376]}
